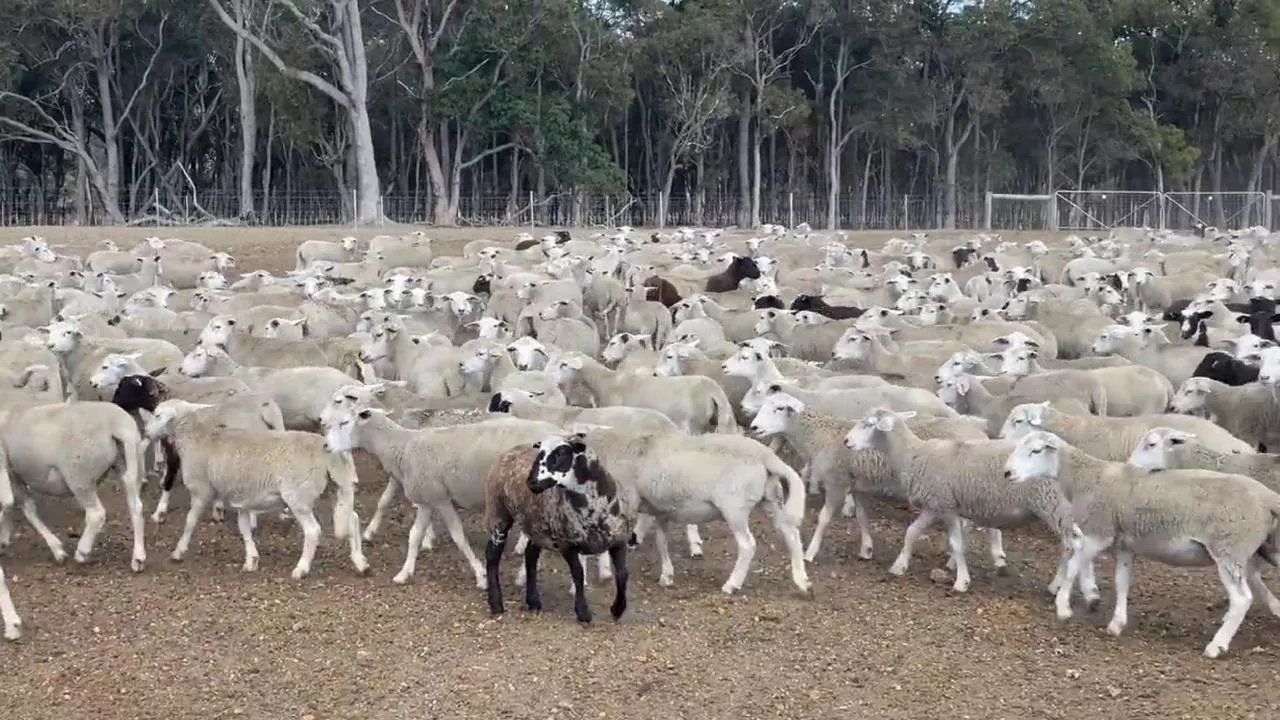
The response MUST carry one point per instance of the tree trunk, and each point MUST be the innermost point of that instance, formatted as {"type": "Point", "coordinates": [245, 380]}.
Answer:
{"type": "Point", "coordinates": [247, 85]}
{"type": "Point", "coordinates": [744, 164]}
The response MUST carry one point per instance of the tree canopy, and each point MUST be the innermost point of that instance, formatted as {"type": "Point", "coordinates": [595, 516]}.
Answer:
{"type": "Point", "coordinates": [111, 111]}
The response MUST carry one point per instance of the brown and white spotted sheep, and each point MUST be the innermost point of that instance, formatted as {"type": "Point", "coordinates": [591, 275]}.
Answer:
{"type": "Point", "coordinates": [559, 495]}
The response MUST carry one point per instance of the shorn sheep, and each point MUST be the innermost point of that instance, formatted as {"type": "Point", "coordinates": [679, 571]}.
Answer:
{"type": "Point", "coordinates": [256, 470]}
{"type": "Point", "coordinates": [1179, 517]}
{"type": "Point", "coordinates": [561, 497]}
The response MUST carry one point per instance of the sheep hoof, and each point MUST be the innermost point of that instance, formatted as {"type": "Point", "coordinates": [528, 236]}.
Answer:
{"type": "Point", "coordinates": [362, 567]}
{"type": "Point", "coordinates": [400, 578]}
{"type": "Point", "coordinates": [961, 586]}
{"type": "Point", "coordinates": [1002, 570]}
{"type": "Point", "coordinates": [666, 581]}
{"type": "Point", "coordinates": [898, 568]}
{"type": "Point", "coordinates": [81, 557]}
{"type": "Point", "coordinates": [1064, 614]}
{"type": "Point", "coordinates": [250, 565]}
{"type": "Point", "coordinates": [367, 536]}
{"type": "Point", "coordinates": [157, 518]}
{"type": "Point", "coordinates": [1214, 651]}
{"type": "Point", "coordinates": [866, 554]}
{"type": "Point", "coordinates": [175, 556]}
{"type": "Point", "coordinates": [482, 582]}
{"type": "Point", "coordinates": [299, 573]}
{"type": "Point", "coordinates": [533, 607]}
{"type": "Point", "coordinates": [13, 632]}
{"type": "Point", "coordinates": [138, 563]}
{"type": "Point", "coordinates": [729, 588]}
{"type": "Point", "coordinates": [1115, 627]}
{"type": "Point", "coordinates": [695, 551]}
{"type": "Point", "coordinates": [59, 556]}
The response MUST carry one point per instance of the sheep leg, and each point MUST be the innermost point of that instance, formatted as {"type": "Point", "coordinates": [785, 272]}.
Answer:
{"type": "Point", "coordinates": [695, 540]}
{"type": "Point", "coordinates": [995, 546]}
{"type": "Point", "coordinates": [1081, 556]}
{"type": "Point", "coordinates": [219, 511]}
{"type": "Point", "coordinates": [459, 536]}
{"type": "Point", "coordinates": [30, 512]}
{"type": "Point", "coordinates": [1124, 575]}
{"type": "Point", "coordinates": [384, 501]}
{"type": "Point", "coordinates": [618, 560]}
{"type": "Point", "coordinates": [955, 540]}
{"type": "Point", "coordinates": [850, 507]}
{"type": "Point", "coordinates": [604, 567]}
{"type": "Point", "coordinates": [198, 503]}
{"type": "Point", "coordinates": [6, 526]}
{"type": "Point", "coordinates": [522, 542]}
{"type": "Point", "coordinates": [1239, 599]}
{"type": "Point", "coordinates": [493, 561]}
{"type": "Point", "coordinates": [795, 547]}
{"type": "Point", "coordinates": [643, 524]}
{"type": "Point", "coordinates": [580, 607]}
{"type": "Point", "coordinates": [666, 577]}
{"type": "Point", "coordinates": [914, 530]}
{"type": "Point", "coordinates": [95, 517]}
{"type": "Point", "coordinates": [746, 551]}
{"type": "Point", "coordinates": [832, 495]}
{"type": "Point", "coordinates": [1088, 584]}
{"type": "Point", "coordinates": [532, 594]}
{"type": "Point", "coordinates": [1261, 591]}
{"type": "Point", "coordinates": [355, 545]}
{"type": "Point", "coordinates": [9, 614]}
{"type": "Point", "coordinates": [245, 523]}
{"type": "Point", "coordinates": [420, 521]}
{"type": "Point", "coordinates": [429, 534]}
{"type": "Point", "coordinates": [310, 540]}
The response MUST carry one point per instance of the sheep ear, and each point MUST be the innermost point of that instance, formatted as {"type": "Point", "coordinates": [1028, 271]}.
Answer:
{"type": "Point", "coordinates": [1242, 319]}
{"type": "Point", "coordinates": [157, 372]}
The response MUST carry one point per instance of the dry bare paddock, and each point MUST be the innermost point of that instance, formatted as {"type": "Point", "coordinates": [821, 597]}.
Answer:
{"type": "Point", "coordinates": [203, 640]}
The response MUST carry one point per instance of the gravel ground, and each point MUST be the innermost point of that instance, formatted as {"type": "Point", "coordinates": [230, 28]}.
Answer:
{"type": "Point", "coordinates": [203, 640]}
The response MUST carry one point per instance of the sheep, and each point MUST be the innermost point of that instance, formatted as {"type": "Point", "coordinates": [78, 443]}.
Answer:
{"type": "Point", "coordinates": [1150, 347]}
{"type": "Point", "coordinates": [665, 291]}
{"type": "Point", "coordinates": [439, 469]}
{"type": "Point", "coordinates": [1163, 515]}
{"type": "Point", "coordinates": [700, 478]}
{"type": "Point", "coordinates": [1165, 448]}
{"type": "Point", "coordinates": [1128, 389]}
{"type": "Point", "coordinates": [310, 251]}
{"type": "Point", "coordinates": [851, 402]}
{"type": "Point", "coordinates": [524, 404]}
{"type": "Point", "coordinates": [956, 480]}
{"type": "Point", "coordinates": [817, 304]}
{"type": "Point", "coordinates": [561, 498]}
{"type": "Point", "coordinates": [68, 449]}
{"type": "Point", "coordinates": [9, 613]}
{"type": "Point", "coordinates": [1109, 438]}
{"type": "Point", "coordinates": [819, 440]}
{"type": "Point", "coordinates": [1249, 412]}
{"type": "Point", "coordinates": [1226, 369]}
{"type": "Point", "coordinates": [807, 342]}
{"type": "Point", "coordinates": [694, 403]}
{"type": "Point", "coordinates": [256, 470]}
{"type": "Point", "coordinates": [235, 408]}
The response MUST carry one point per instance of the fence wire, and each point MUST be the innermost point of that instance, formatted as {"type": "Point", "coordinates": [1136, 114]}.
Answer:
{"type": "Point", "coordinates": [853, 212]}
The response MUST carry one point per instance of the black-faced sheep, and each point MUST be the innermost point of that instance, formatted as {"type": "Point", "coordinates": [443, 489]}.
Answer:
{"type": "Point", "coordinates": [816, 303]}
{"type": "Point", "coordinates": [769, 301]}
{"type": "Point", "coordinates": [666, 292]}
{"type": "Point", "coordinates": [740, 268]}
{"type": "Point", "coordinates": [560, 496]}
{"type": "Point", "coordinates": [1226, 369]}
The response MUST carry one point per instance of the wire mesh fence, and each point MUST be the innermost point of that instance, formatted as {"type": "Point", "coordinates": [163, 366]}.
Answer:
{"type": "Point", "coordinates": [853, 211]}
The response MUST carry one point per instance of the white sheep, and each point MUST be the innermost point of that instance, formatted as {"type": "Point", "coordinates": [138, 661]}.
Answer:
{"type": "Point", "coordinates": [439, 469]}
{"type": "Point", "coordinates": [1163, 515]}
{"type": "Point", "coordinates": [1250, 412]}
{"type": "Point", "coordinates": [68, 449]}
{"type": "Point", "coordinates": [706, 477]}
{"type": "Point", "coordinates": [257, 470]}
{"type": "Point", "coordinates": [954, 480]}
{"type": "Point", "coordinates": [1112, 438]}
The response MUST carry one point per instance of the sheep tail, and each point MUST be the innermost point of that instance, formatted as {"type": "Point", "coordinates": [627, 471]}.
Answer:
{"type": "Point", "coordinates": [723, 422]}
{"type": "Point", "coordinates": [792, 487]}
{"type": "Point", "coordinates": [342, 470]}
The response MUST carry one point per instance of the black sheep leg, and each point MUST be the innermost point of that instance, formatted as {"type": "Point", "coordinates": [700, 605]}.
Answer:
{"type": "Point", "coordinates": [618, 558]}
{"type": "Point", "coordinates": [532, 598]}
{"type": "Point", "coordinates": [493, 563]}
{"type": "Point", "coordinates": [580, 607]}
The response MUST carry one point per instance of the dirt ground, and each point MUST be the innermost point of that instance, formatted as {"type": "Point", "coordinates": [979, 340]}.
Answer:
{"type": "Point", "coordinates": [203, 640]}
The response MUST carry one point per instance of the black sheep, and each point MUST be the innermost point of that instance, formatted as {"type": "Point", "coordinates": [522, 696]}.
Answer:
{"type": "Point", "coordinates": [1226, 369]}
{"type": "Point", "coordinates": [769, 301]}
{"type": "Point", "coordinates": [741, 268]}
{"type": "Point", "coordinates": [815, 303]}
